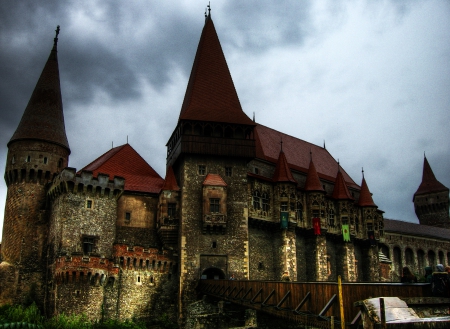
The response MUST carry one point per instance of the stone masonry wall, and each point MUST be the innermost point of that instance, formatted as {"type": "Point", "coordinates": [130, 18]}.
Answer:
{"type": "Point", "coordinates": [233, 243]}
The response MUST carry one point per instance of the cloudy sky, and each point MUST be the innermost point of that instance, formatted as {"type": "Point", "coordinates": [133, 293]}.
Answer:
{"type": "Point", "coordinates": [370, 78]}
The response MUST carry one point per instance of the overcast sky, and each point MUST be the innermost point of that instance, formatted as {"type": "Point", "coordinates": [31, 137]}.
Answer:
{"type": "Point", "coordinates": [370, 78]}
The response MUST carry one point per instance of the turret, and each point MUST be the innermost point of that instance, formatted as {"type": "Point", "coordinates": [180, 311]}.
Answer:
{"type": "Point", "coordinates": [431, 200]}
{"type": "Point", "coordinates": [37, 151]}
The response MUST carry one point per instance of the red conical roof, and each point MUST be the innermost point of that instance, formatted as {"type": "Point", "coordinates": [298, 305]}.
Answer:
{"type": "Point", "coordinates": [43, 118]}
{"type": "Point", "coordinates": [210, 94]}
{"type": "Point", "coordinates": [340, 191]}
{"type": "Point", "coordinates": [365, 197]}
{"type": "Point", "coordinates": [312, 179]}
{"type": "Point", "coordinates": [429, 182]}
{"type": "Point", "coordinates": [170, 183]}
{"type": "Point", "coordinates": [124, 161]}
{"type": "Point", "coordinates": [282, 172]}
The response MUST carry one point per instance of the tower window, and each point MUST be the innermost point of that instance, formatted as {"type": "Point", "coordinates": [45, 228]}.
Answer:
{"type": "Point", "coordinates": [28, 159]}
{"type": "Point", "coordinates": [265, 202]}
{"type": "Point", "coordinates": [256, 200]}
{"type": "Point", "coordinates": [201, 169]}
{"type": "Point", "coordinates": [214, 244]}
{"type": "Point", "coordinates": [60, 163]}
{"type": "Point", "coordinates": [228, 171]}
{"type": "Point", "coordinates": [89, 204]}
{"type": "Point", "coordinates": [13, 160]}
{"type": "Point", "coordinates": [214, 205]}
{"type": "Point", "coordinates": [128, 216]}
{"type": "Point", "coordinates": [45, 160]}
{"type": "Point", "coordinates": [171, 210]}
{"type": "Point", "coordinates": [88, 244]}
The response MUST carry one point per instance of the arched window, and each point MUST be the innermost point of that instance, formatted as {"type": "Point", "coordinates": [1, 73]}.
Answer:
{"type": "Point", "coordinates": [299, 211]}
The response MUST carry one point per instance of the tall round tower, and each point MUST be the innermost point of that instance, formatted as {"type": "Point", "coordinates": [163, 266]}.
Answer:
{"type": "Point", "coordinates": [37, 151]}
{"type": "Point", "coordinates": [431, 200]}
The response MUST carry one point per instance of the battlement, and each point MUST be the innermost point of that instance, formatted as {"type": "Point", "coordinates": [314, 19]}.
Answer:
{"type": "Point", "coordinates": [39, 176]}
{"type": "Point", "coordinates": [144, 259]}
{"type": "Point", "coordinates": [84, 269]}
{"type": "Point", "coordinates": [85, 183]}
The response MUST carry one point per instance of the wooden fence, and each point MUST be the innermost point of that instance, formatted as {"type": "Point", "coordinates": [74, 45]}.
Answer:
{"type": "Point", "coordinates": [307, 302]}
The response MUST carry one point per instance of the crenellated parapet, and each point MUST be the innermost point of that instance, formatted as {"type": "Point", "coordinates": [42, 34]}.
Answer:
{"type": "Point", "coordinates": [85, 183]}
{"type": "Point", "coordinates": [85, 269]}
{"type": "Point", "coordinates": [144, 259]}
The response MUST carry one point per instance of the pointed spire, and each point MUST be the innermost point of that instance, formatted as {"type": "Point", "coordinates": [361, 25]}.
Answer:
{"type": "Point", "coordinates": [365, 197]}
{"type": "Point", "coordinates": [429, 182]}
{"type": "Point", "coordinates": [340, 191]}
{"type": "Point", "coordinates": [43, 118]}
{"type": "Point", "coordinates": [282, 172]}
{"type": "Point", "coordinates": [312, 178]}
{"type": "Point", "coordinates": [170, 182]}
{"type": "Point", "coordinates": [210, 94]}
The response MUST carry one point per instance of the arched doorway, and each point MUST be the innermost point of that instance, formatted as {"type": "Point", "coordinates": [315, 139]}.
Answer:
{"type": "Point", "coordinates": [213, 273]}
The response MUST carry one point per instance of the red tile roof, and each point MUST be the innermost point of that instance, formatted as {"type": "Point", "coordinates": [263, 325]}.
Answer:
{"type": "Point", "coordinates": [214, 180]}
{"type": "Point", "coordinates": [340, 191]}
{"type": "Point", "coordinates": [312, 179]}
{"type": "Point", "coordinates": [210, 94]}
{"type": "Point", "coordinates": [124, 161]}
{"type": "Point", "coordinates": [429, 182]}
{"type": "Point", "coordinates": [170, 183]}
{"type": "Point", "coordinates": [297, 154]}
{"type": "Point", "coordinates": [365, 197]}
{"type": "Point", "coordinates": [43, 118]}
{"type": "Point", "coordinates": [282, 172]}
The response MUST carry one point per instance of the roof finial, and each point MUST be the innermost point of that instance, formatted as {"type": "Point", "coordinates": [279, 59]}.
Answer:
{"type": "Point", "coordinates": [281, 144]}
{"type": "Point", "coordinates": [253, 116]}
{"type": "Point", "coordinates": [324, 144]}
{"type": "Point", "coordinates": [310, 154]}
{"type": "Point", "coordinates": [55, 40]}
{"type": "Point", "coordinates": [339, 166]}
{"type": "Point", "coordinates": [209, 8]}
{"type": "Point", "coordinates": [127, 139]}
{"type": "Point", "coordinates": [362, 170]}
{"type": "Point", "coordinates": [424, 156]}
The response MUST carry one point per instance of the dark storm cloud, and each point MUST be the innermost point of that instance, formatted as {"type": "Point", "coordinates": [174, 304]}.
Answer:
{"type": "Point", "coordinates": [263, 26]}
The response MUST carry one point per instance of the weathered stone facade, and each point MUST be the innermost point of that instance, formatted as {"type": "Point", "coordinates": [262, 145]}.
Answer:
{"type": "Point", "coordinates": [124, 243]}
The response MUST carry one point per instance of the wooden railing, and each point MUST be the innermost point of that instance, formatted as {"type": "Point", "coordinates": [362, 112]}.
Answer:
{"type": "Point", "coordinates": [306, 301]}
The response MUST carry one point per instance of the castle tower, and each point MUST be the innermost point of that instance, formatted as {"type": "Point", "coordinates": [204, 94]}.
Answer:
{"type": "Point", "coordinates": [285, 200]}
{"type": "Point", "coordinates": [36, 152]}
{"type": "Point", "coordinates": [431, 200]}
{"type": "Point", "coordinates": [213, 136]}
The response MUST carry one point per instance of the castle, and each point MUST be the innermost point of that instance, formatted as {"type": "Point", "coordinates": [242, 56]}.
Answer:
{"type": "Point", "coordinates": [115, 239]}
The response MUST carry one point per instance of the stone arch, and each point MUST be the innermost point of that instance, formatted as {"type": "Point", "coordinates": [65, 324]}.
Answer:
{"type": "Point", "coordinates": [213, 273]}
{"type": "Point", "coordinates": [431, 258]}
{"type": "Point", "coordinates": [421, 261]}
{"type": "Point", "coordinates": [441, 257]}
{"type": "Point", "coordinates": [397, 262]}
{"type": "Point", "coordinates": [409, 258]}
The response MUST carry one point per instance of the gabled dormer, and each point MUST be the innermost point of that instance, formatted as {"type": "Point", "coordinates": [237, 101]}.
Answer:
{"type": "Point", "coordinates": [211, 120]}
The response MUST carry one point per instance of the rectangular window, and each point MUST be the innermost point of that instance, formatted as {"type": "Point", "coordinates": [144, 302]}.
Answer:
{"type": "Point", "coordinates": [256, 171]}
{"type": "Point", "coordinates": [201, 169]}
{"type": "Point", "coordinates": [89, 204]}
{"type": "Point", "coordinates": [284, 206]}
{"type": "Point", "coordinates": [265, 202]}
{"type": "Point", "coordinates": [88, 245]}
{"type": "Point", "coordinates": [256, 200]}
{"type": "Point", "coordinates": [28, 159]}
{"type": "Point", "coordinates": [315, 213]}
{"type": "Point", "coordinates": [228, 171]}
{"type": "Point", "coordinates": [171, 210]}
{"type": "Point", "coordinates": [344, 220]}
{"type": "Point", "coordinates": [45, 160]}
{"type": "Point", "coordinates": [214, 205]}
{"type": "Point", "coordinates": [128, 216]}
